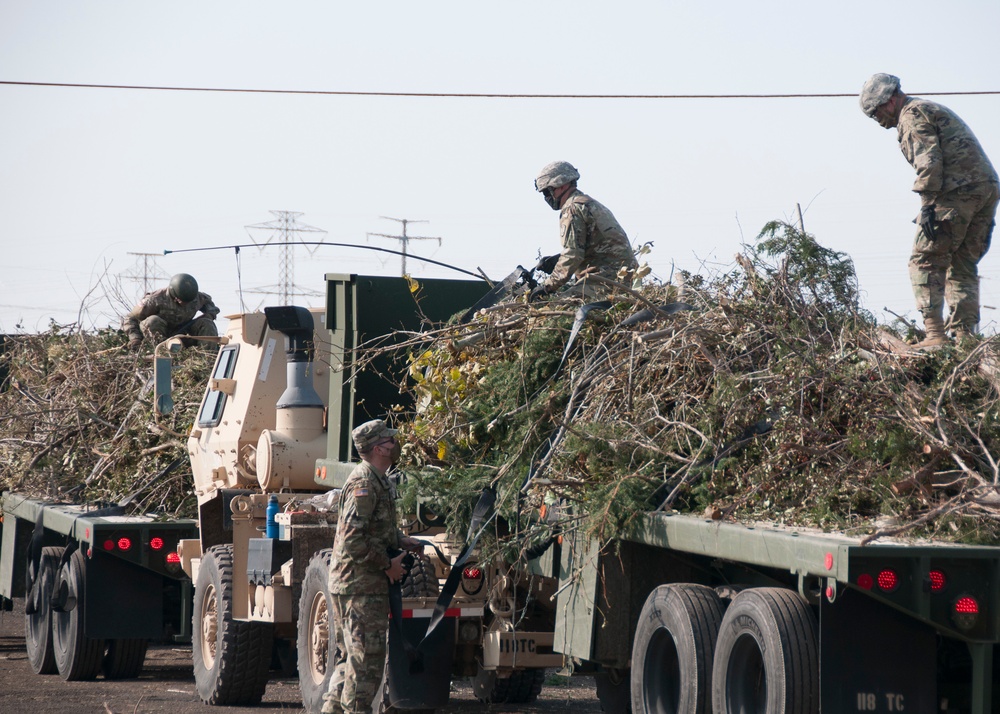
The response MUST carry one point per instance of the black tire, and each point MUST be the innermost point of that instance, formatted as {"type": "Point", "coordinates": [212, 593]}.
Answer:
{"type": "Point", "coordinates": [420, 581]}
{"type": "Point", "coordinates": [124, 658]}
{"type": "Point", "coordinates": [673, 650]}
{"type": "Point", "coordinates": [317, 638]}
{"type": "Point", "coordinates": [231, 657]}
{"type": "Point", "coordinates": [766, 659]}
{"type": "Point", "coordinates": [521, 687]}
{"type": "Point", "coordinates": [614, 690]}
{"type": "Point", "coordinates": [78, 657]}
{"type": "Point", "coordinates": [38, 625]}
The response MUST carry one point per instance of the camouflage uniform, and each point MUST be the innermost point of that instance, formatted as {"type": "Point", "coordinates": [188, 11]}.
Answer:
{"type": "Point", "coordinates": [366, 530]}
{"type": "Point", "coordinates": [158, 316]}
{"type": "Point", "coordinates": [591, 238]}
{"type": "Point", "coordinates": [955, 176]}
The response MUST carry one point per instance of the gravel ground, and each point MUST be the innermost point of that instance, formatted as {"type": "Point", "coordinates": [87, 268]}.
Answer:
{"type": "Point", "coordinates": [167, 685]}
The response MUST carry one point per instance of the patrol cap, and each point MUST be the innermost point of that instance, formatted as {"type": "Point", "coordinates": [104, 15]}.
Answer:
{"type": "Point", "coordinates": [877, 91]}
{"type": "Point", "coordinates": [556, 174]}
{"type": "Point", "coordinates": [371, 433]}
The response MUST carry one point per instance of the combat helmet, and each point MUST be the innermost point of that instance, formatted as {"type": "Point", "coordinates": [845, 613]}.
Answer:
{"type": "Point", "coordinates": [183, 287]}
{"type": "Point", "coordinates": [556, 174]}
{"type": "Point", "coordinates": [877, 91]}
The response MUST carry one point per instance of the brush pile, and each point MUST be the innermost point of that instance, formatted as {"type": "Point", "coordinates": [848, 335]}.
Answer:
{"type": "Point", "coordinates": [77, 422]}
{"type": "Point", "coordinates": [764, 393]}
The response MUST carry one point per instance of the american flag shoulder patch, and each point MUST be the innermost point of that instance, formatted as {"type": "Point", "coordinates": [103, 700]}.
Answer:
{"type": "Point", "coordinates": [360, 492]}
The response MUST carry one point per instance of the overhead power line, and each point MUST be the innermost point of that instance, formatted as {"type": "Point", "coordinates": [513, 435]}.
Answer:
{"type": "Point", "coordinates": [468, 95]}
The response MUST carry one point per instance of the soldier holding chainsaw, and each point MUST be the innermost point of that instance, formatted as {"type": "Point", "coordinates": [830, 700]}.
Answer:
{"type": "Point", "coordinates": [593, 242]}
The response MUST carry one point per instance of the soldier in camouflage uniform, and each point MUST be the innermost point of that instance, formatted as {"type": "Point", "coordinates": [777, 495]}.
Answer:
{"type": "Point", "coordinates": [959, 192]}
{"type": "Point", "coordinates": [593, 242]}
{"type": "Point", "coordinates": [362, 569]}
{"type": "Point", "coordinates": [171, 311]}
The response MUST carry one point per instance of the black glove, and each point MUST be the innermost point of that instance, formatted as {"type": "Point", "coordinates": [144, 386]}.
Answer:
{"type": "Point", "coordinates": [547, 264]}
{"type": "Point", "coordinates": [538, 293]}
{"type": "Point", "coordinates": [927, 222]}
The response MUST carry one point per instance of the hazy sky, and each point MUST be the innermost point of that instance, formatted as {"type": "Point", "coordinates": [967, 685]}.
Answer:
{"type": "Point", "coordinates": [90, 176]}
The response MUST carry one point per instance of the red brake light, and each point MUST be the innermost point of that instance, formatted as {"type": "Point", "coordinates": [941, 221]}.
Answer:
{"type": "Point", "coordinates": [938, 581]}
{"type": "Point", "coordinates": [966, 606]}
{"type": "Point", "coordinates": [173, 559]}
{"type": "Point", "coordinates": [888, 580]}
{"type": "Point", "coordinates": [472, 573]}
{"type": "Point", "coordinates": [156, 543]}
{"type": "Point", "coordinates": [124, 543]}
{"type": "Point", "coordinates": [109, 545]}
{"type": "Point", "coordinates": [866, 581]}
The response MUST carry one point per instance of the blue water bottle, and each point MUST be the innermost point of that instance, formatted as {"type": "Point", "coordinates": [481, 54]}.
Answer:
{"type": "Point", "coordinates": [271, 530]}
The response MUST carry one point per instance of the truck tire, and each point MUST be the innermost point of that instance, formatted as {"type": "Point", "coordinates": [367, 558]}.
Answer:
{"type": "Point", "coordinates": [766, 659]}
{"type": "Point", "coordinates": [38, 625]}
{"type": "Point", "coordinates": [522, 687]}
{"type": "Point", "coordinates": [317, 640]}
{"type": "Point", "coordinates": [78, 657]}
{"type": "Point", "coordinates": [124, 658]}
{"type": "Point", "coordinates": [420, 581]}
{"type": "Point", "coordinates": [231, 657]}
{"type": "Point", "coordinates": [673, 649]}
{"type": "Point", "coordinates": [614, 690]}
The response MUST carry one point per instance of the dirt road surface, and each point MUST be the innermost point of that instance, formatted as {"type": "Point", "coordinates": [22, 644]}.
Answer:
{"type": "Point", "coordinates": [167, 685]}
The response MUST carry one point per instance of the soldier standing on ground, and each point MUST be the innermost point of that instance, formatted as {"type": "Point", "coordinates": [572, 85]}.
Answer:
{"type": "Point", "coordinates": [593, 242]}
{"type": "Point", "coordinates": [958, 189]}
{"type": "Point", "coordinates": [171, 311]}
{"type": "Point", "coordinates": [362, 569]}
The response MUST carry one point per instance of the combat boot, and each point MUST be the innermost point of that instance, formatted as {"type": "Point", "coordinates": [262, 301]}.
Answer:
{"type": "Point", "coordinates": [964, 335]}
{"type": "Point", "coordinates": [935, 334]}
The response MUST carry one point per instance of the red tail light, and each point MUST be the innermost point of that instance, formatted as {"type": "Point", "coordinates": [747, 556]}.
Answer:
{"type": "Point", "coordinates": [109, 545]}
{"type": "Point", "coordinates": [156, 543]}
{"type": "Point", "coordinates": [966, 606]}
{"type": "Point", "coordinates": [173, 559]}
{"type": "Point", "coordinates": [472, 573]}
{"type": "Point", "coordinates": [888, 580]}
{"type": "Point", "coordinates": [124, 543]}
{"type": "Point", "coordinates": [938, 581]}
{"type": "Point", "coordinates": [866, 581]}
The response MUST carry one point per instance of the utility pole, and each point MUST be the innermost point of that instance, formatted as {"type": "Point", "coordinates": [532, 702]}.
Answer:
{"type": "Point", "coordinates": [284, 232]}
{"type": "Point", "coordinates": [403, 239]}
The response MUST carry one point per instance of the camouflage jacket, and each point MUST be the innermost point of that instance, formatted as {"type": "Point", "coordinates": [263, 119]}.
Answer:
{"type": "Point", "coordinates": [366, 530]}
{"type": "Point", "coordinates": [160, 303]}
{"type": "Point", "coordinates": [942, 149]}
{"type": "Point", "coordinates": [591, 238]}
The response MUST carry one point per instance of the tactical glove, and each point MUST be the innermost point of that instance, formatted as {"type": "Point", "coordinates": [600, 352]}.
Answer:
{"type": "Point", "coordinates": [547, 264]}
{"type": "Point", "coordinates": [927, 222]}
{"type": "Point", "coordinates": [134, 342]}
{"type": "Point", "coordinates": [538, 293]}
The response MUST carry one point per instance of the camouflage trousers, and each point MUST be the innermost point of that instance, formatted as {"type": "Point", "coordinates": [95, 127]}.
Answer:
{"type": "Point", "coordinates": [945, 270]}
{"type": "Point", "coordinates": [157, 329]}
{"type": "Point", "coordinates": [362, 623]}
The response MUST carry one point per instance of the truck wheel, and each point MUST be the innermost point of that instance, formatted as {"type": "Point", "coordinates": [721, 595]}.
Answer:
{"type": "Point", "coordinates": [766, 658]}
{"type": "Point", "coordinates": [420, 581]}
{"type": "Point", "coordinates": [38, 625]}
{"type": "Point", "coordinates": [522, 687]}
{"type": "Point", "coordinates": [124, 659]}
{"type": "Point", "coordinates": [317, 642]}
{"type": "Point", "coordinates": [673, 648]}
{"type": "Point", "coordinates": [231, 657]}
{"type": "Point", "coordinates": [614, 690]}
{"type": "Point", "coordinates": [78, 657]}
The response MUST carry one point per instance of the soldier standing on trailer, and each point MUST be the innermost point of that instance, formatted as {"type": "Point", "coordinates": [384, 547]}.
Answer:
{"type": "Point", "coordinates": [361, 570]}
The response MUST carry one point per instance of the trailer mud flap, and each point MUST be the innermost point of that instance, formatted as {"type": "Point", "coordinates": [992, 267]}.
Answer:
{"type": "Point", "coordinates": [429, 686]}
{"type": "Point", "coordinates": [874, 659]}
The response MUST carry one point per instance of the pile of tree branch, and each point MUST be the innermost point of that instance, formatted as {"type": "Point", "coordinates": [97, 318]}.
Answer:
{"type": "Point", "coordinates": [77, 422]}
{"type": "Point", "coordinates": [765, 393]}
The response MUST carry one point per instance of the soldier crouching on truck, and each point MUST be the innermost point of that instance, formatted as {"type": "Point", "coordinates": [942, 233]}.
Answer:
{"type": "Point", "coordinates": [593, 242]}
{"type": "Point", "coordinates": [361, 570]}
{"type": "Point", "coordinates": [172, 311]}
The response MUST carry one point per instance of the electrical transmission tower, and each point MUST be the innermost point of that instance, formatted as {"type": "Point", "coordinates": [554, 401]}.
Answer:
{"type": "Point", "coordinates": [146, 271]}
{"type": "Point", "coordinates": [403, 239]}
{"type": "Point", "coordinates": [285, 233]}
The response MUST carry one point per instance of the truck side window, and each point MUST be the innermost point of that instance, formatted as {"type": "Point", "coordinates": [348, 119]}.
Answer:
{"type": "Point", "coordinates": [215, 400]}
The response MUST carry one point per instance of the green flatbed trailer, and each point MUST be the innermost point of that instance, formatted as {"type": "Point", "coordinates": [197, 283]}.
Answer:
{"type": "Point", "coordinates": [119, 576]}
{"type": "Point", "coordinates": [688, 612]}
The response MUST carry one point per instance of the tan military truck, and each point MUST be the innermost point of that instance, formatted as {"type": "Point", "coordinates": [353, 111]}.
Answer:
{"type": "Point", "coordinates": [274, 426]}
